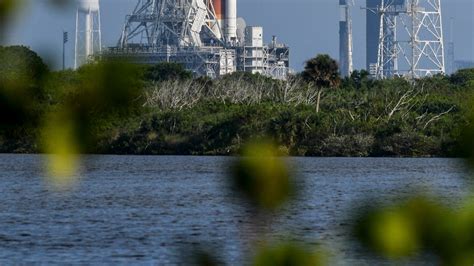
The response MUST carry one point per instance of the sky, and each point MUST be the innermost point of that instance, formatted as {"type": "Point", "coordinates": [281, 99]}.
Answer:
{"type": "Point", "coordinates": [309, 27]}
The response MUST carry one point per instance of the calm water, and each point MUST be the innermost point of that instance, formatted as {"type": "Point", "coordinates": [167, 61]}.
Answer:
{"type": "Point", "coordinates": [151, 210]}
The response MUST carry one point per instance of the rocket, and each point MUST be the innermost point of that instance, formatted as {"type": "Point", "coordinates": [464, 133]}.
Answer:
{"type": "Point", "coordinates": [226, 15]}
{"type": "Point", "coordinates": [230, 20]}
{"type": "Point", "coordinates": [219, 9]}
{"type": "Point", "coordinates": [345, 39]}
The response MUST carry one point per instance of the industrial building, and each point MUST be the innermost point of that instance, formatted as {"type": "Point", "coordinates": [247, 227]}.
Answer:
{"type": "Point", "coordinates": [206, 36]}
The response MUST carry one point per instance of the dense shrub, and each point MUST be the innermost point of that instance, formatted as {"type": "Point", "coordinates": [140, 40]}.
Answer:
{"type": "Point", "coordinates": [176, 114]}
{"type": "Point", "coordinates": [167, 71]}
{"type": "Point", "coordinates": [22, 73]}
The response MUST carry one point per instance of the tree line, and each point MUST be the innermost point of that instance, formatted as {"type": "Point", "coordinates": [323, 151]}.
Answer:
{"type": "Point", "coordinates": [163, 109]}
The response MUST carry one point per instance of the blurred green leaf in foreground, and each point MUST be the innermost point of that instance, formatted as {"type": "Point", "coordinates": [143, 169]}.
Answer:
{"type": "Point", "coordinates": [22, 74]}
{"type": "Point", "coordinates": [416, 225]}
{"type": "Point", "coordinates": [101, 92]}
{"type": "Point", "coordinates": [262, 176]}
{"type": "Point", "coordinates": [7, 9]}
{"type": "Point", "coordinates": [289, 254]}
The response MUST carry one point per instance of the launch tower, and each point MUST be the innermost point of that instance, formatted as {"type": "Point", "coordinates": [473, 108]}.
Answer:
{"type": "Point", "coordinates": [203, 35]}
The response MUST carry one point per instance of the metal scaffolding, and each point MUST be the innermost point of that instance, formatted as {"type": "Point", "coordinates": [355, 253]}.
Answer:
{"type": "Point", "coordinates": [411, 42]}
{"type": "Point", "coordinates": [183, 23]}
{"type": "Point", "coordinates": [182, 31]}
{"type": "Point", "coordinates": [190, 32]}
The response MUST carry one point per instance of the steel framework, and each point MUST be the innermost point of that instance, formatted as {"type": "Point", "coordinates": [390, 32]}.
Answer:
{"type": "Point", "coordinates": [411, 42]}
{"type": "Point", "coordinates": [182, 23]}
{"type": "Point", "coordinates": [183, 31]}
{"type": "Point", "coordinates": [189, 32]}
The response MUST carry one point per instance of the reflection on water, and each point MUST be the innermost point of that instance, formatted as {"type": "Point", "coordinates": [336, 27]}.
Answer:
{"type": "Point", "coordinates": [150, 209]}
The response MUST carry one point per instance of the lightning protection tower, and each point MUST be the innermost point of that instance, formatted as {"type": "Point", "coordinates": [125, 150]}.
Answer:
{"type": "Point", "coordinates": [411, 42]}
{"type": "Point", "coordinates": [88, 31]}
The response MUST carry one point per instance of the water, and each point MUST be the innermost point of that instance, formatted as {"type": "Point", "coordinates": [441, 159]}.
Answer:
{"type": "Point", "coordinates": [153, 210]}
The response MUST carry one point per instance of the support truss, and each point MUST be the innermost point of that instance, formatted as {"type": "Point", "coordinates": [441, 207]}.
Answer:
{"type": "Point", "coordinates": [411, 42]}
{"type": "Point", "coordinates": [180, 23]}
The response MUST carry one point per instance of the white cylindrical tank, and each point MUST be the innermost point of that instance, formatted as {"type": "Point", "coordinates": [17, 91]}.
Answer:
{"type": "Point", "coordinates": [88, 32]}
{"type": "Point", "coordinates": [231, 20]}
{"type": "Point", "coordinates": [88, 5]}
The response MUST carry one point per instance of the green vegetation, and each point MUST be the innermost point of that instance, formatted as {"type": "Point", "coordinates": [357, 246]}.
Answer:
{"type": "Point", "coordinates": [126, 109]}
{"type": "Point", "coordinates": [321, 72]}
{"type": "Point", "coordinates": [167, 71]}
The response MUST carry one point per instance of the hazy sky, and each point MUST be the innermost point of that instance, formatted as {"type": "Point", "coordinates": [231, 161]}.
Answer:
{"type": "Point", "coordinates": [308, 26]}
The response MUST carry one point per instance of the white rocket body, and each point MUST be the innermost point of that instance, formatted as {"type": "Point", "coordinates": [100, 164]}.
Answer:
{"type": "Point", "coordinates": [226, 15]}
{"type": "Point", "coordinates": [231, 20]}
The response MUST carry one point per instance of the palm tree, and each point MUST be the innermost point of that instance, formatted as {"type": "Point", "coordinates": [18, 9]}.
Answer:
{"type": "Point", "coordinates": [322, 72]}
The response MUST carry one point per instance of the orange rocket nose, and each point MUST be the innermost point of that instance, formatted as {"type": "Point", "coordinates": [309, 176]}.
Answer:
{"type": "Point", "coordinates": [219, 7]}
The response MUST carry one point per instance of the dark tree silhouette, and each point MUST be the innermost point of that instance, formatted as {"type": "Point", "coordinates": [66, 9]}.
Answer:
{"type": "Point", "coordinates": [322, 72]}
{"type": "Point", "coordinates": [22, 73]}
{"type": "Point", "coordinates": [167, 71]}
